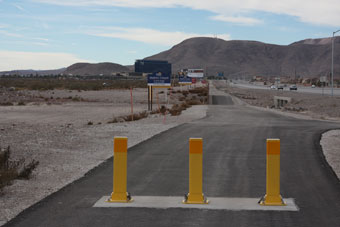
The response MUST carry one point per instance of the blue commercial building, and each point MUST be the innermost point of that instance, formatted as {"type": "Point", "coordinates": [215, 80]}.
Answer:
{"type": "Point", "coordinates": [153, 66]}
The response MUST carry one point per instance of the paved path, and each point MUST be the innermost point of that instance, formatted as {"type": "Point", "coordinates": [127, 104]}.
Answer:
{"type": "Point", "coordinates": [234, 166]}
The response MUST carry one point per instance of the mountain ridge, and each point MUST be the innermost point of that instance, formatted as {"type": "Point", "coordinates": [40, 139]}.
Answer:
{"type": "Point", "coordinates": [305, 58]}
{"type": "Point", "coordinates": [236, 58]}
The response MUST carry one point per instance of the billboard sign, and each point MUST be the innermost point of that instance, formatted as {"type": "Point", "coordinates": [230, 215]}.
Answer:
{"type": "Point", "coordinates": [195, 73]}
{"type": "Point", "coordinates": [159, 79]}
{"type": "Point", "coordinates": [184, 80]}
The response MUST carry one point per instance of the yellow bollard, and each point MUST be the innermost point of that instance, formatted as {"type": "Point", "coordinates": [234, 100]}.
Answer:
{"type": "Point", "coordinates": [195, 195]}
{"type": "Point", "coordinates": [119, 193]}
{"type": "Point", "coordinates": [273, 197]}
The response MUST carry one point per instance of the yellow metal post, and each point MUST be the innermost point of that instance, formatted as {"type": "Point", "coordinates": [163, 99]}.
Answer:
{"type": "Point", "coordinates": [273, 197]}
{"type": "Point", "coordinates": [195, 195]}
{"type": "Point", "coordinates": [119, 193]}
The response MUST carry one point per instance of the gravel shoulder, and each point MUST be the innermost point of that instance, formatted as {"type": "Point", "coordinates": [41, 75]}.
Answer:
{"type": "Point", "coordinates": [330, 143]}
{"type": "Point", "coordinates": [59, 137]}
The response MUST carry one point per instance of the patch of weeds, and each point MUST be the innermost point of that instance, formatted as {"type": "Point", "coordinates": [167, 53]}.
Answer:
{"type": "Point", "coordinates": [76, 99]}
{"type": "Point", "coordinates": [193, 102]}
{"type": "Point", "coordinates": [185, 93]}
{"type": "Point", "coordinates": [135, 117]}
{"type": "Point", "coordinates": [90, 123]}
{"type": "Point", "coordinates": [26, 172]}
{"type": "Point", "coordinates": [21, 103]}
{"type": "Point", "coordinates": [6, 104]}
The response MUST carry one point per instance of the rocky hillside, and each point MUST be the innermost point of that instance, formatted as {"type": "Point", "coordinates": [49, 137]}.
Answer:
{"type": "Point", "coordinates": [105, 68]}
{"type": "Point", "coordinates": [310, 57]}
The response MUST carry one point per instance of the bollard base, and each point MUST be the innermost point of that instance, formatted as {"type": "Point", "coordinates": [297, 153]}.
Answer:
{"type": "Point", "coordinates": [195, 199]}
{"type": "Point", "coordinates": [272, 201]}
{"type": "Point", "coordinates": [120, 198]}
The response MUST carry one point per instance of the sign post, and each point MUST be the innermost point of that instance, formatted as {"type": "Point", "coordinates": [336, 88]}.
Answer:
{"type": "Point", "coordinates": [184, 80]}
{"type": "Point", "coordinates": [158, 80]}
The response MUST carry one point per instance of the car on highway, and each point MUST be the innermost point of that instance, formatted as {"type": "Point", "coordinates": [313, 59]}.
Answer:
{"type": "Point", "coordinates": [273, 87]}
{"type": "Point", "coordinates": [313, 86]}
{"type": "Point", "coordinates": [293, 87]}
{"type": "Point", "coordinates": [280, 87]}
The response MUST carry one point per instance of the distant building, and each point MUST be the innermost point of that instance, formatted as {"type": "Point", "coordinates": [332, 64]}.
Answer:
{"type": "Point", "coordinates": [152, 66]}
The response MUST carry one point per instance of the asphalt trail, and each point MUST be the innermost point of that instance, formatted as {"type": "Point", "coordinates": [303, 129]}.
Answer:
{"type": "Point", "coordinates": [234, 166]}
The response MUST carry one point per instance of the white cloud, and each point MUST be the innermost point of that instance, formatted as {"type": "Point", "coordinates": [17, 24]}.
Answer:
{"type": "Point", "coordinates": [148, 35]}
{"type": "Point", "coordinates": [12, 60]}
{"type": "Point", "coordinates": [237, 20]}
{"type": "Point", "coordinates": [320, 12]}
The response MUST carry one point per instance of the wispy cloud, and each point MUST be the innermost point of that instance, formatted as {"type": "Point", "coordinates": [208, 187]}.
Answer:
{"type": "Point", "coordinates": [41, 39]}
{"type": "Point", "coordinates": [237, 20]}
{"type": "Point", "coordinates": [20, 8]}
{"type": "Point", "coordinates": [10, 60]}
{"type": "Point", "coordinates": [6, 33]}
{"type": "Point", "coordinates": [147, 35]}
{"type": "Point", "coordinates": [325, 12]}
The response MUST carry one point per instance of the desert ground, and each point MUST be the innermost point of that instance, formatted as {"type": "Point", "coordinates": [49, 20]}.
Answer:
{"type": "Point", "coordinates": [68, 132]}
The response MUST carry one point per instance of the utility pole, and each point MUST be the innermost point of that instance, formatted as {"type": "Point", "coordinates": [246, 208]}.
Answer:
{"type": "Point", "coordinates": [333, 60]}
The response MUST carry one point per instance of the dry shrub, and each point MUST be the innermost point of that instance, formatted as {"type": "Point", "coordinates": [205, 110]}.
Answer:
{"type": "Point", "coordinates": [175, 110]}
{"type": "Point", "coordinates": [136, 117]}
{"type": "Point", "coordinates": [185, 93]}
{"type": "Point", "coordinates": [6, 104]}
{"type": "Point", "coordinates": [182, 98]}
{"type": "Point", "coordinates": [11, 170]}
{"type": "Point", "coordinates": [26, 172]}
{"type": "Point", "coordinates": [193, 102]}
{"type": "Point", "coordinates": [200, 91]}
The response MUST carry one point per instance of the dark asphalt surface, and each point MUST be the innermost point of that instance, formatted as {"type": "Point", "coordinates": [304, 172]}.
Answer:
{"type": "Point", "coordinates": [234, 166]}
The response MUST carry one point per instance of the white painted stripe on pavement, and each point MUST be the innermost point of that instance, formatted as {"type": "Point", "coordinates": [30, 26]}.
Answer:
{"type": "Point", "coordinates": [216, 203]}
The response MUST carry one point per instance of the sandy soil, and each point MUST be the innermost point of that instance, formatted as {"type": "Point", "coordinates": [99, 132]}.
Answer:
{"type": "Point", "coordinates": [56, 133]}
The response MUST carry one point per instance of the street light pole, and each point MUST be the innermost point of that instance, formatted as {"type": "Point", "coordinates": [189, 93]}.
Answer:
{"type": "Point", "coordinates": [333, 60]}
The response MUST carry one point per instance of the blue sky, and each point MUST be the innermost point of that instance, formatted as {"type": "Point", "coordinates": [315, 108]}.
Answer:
{"type": "Point", "coordinates": [48, 34]}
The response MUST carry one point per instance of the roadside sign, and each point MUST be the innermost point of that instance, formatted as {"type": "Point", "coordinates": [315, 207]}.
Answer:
{"type": "Point", "coordinates": [196, 73]}
{"type": "Point", "coordinates": [193, 80]}
{"type": "Point", "coordinates": [323, 79]}
{"type": "Point", "coordinates": [184, 80]}
{"type": "Point", "coordinates": [159, 80]}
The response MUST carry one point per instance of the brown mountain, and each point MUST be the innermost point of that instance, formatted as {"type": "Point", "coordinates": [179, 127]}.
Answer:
{"type": "Point", "coordinates": [105, 68]}
{"type": "Point", "coordinates": [306, 58]}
